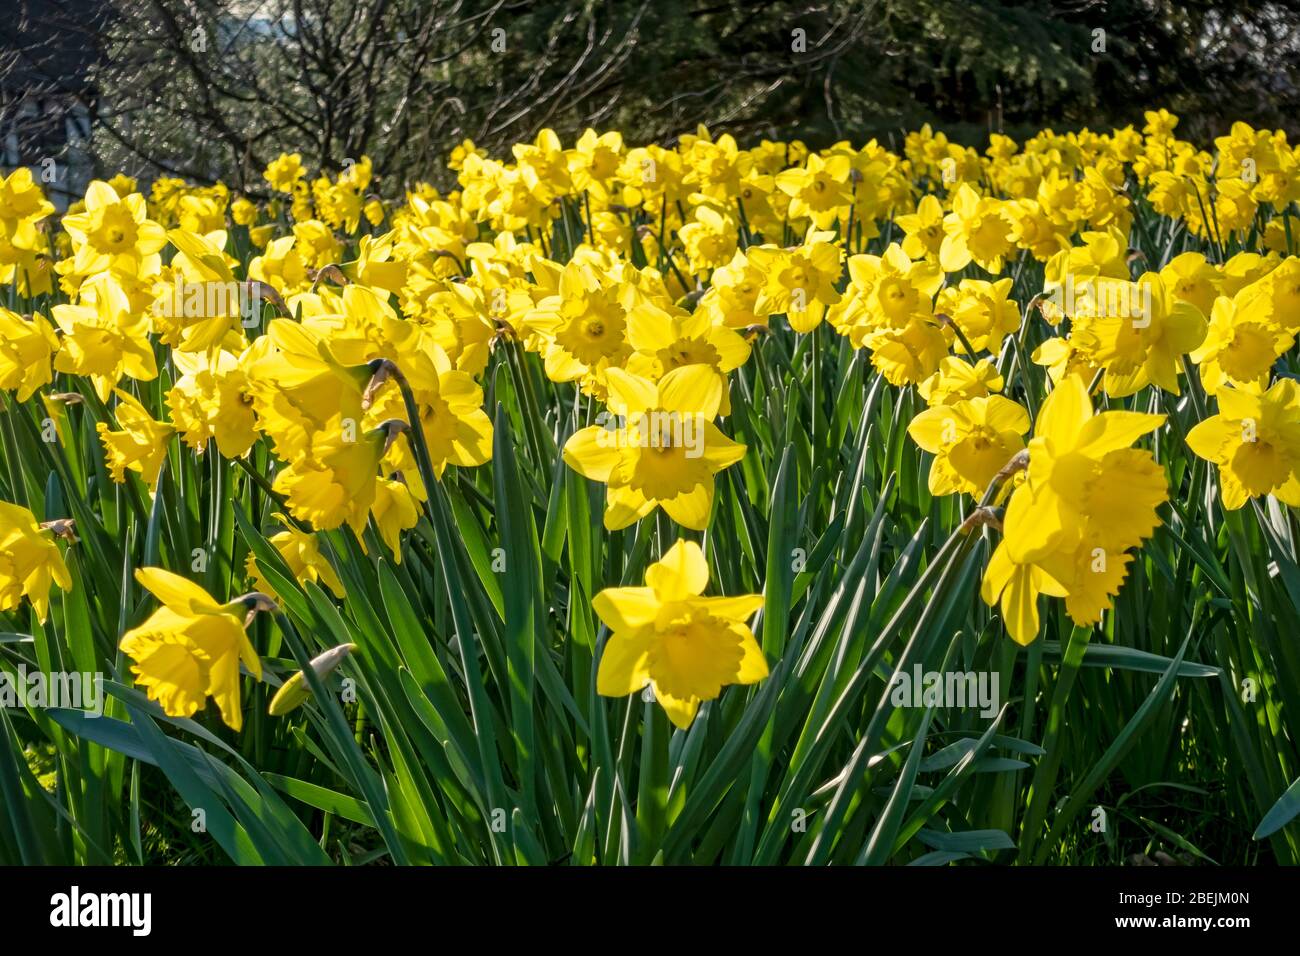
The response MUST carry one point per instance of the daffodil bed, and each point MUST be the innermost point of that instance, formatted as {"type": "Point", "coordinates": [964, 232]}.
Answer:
{"type": "Point", "coordinates": [598, 509]}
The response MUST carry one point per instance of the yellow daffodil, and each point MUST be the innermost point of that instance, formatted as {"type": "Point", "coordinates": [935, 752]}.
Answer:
{"type": "Point", "coordinates": [298, 387]}
{"type": "Point", "coordinates": [1241, 344]}
{"type": "Point", "coordinates": [544, 165]}
{"type": "Point", "coordinates": [715, 166]}
{"type": "Point", "coordinates": [666, 451]}
{"type": "Point", "coordinates": [462, 325]}
{"type": "Point", "coordinates": [1086, 499]}
{"type": "Point", "coordinates": [668, 338]}
{"type": "Point", "coordinates": [819, 190]}
{"type": "Point", "coordinates": [667, 635]}
{"type": "Point", "coordinates": [22, 201]}
{"type": "Point", "coordinates": [27, 344]}
{"type": "Point", "coordinates": [211, 401]}
{"type": "Point", "coordinates": [799, 282]}
{"type": "Point", "coordinates": [202, 306]}
{"type": "Point", "coordinates": [1064, 357]}
{"type": "Point", "coordinates": [894, 289]}
{"type": "Point", "coordinates": [923, 229]}
{"type": "Point", "coordinates": [1137, 331]}
{"type": "Point", "coordinates": [243, 212]}
{"type": "Point", "coordinates": [191, 648]}
{"type": "Point", "coordinates": [1189, 278]}
{"type": "Point", "coordinates": [281, 265]}
{"type": "Point", "coordinates": [336, 484]}
{"type": "Point", "coordinates": [105, 338]}
{"type": "Point", "coordinates": [456, 429]}
{"type": "Point", "coordinates": [301, 553]}
{"type": "Point", "coordinates": [585, 326]}
{"type": "Point", "coordinates": [316, 243]}
{"type": "Point", "coordinates": [1034, 231]}
{"type": "Point", "coordinates": [971, 440]}
{"type": "Point", "coordinates": [114, 233]}
{"type": "Point", "coordinates": [1255, 442]}
{"type": "Point", "coordinates": [957, 379]}
{"type": "Point", "coordinates": [285, 172]}
{"type": "Point", "coordinates": [139, 445]}
{"type": "Point", "coordinates": [594, 160]}
{"type": "Point", "coordinates": [29, 561]}
{"type": "Point", "coordinates": [977, 230]}
{"type": "Point", "coordinates": [907, 355]}
{"type": "Point", "coordinates": [733, 294]}
{"type": "Point", "coordinates": [710, 239]}
{"type": "Point", "coordinates": [982, 311]}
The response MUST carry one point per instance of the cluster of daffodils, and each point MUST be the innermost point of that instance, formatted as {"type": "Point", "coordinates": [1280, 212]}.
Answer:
{"type": "Point", "coordinates": [1087, 498]}
{"type": "Point", "coordinates": [348, 337]}
{"type": "Point", "coordinates": [1218, 195]}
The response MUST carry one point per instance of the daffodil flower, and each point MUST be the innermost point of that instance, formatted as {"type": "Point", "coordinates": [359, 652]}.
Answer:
{"type": "Point", "coordinates": [977, 230]}
{"type": "Point", "coordinates": [202, 307]}
{"type": "Point", "coordinates": [301, 553]}
{"type": "Point", "coordinates": [800, 281]}
{"type": "Point", "coordinates": [1137, 332]}
{"type": "Point", "coordinates": [1086, 498]}
{"type": "Point", "coordinates": [923, 229]}
{"type": "Point", "coordinates": [667, 635]}
{"type": "Point", "coordinates": [665, 340]}
{"type": "Point", "coordinates": [667, 452]}
{"type": "Point", "coordinates": [285, 172]}
{"type": "Point", "coordinates": [211, 401]}
{"type": "Point", "coordinates": [140, 445]}
{"type": "Point", "coordinates": [1255, 442]}
{"type": "Point", "coordinates": [27, 344]}
{"type": "Point", "coordinates": [104, 337]}
{"type": "Point", "coordinates": [957, 379]}
{"type": "Point", "coordinates": [1242, 342]}
{"type": "Point", "coordinates": [982, 311]}
{"type": "Point", "coordinates": [336, 485]}
{"type": "Point", "coordinates": [191, 648]}
{"type": "Point", "coordinates": [29, 561]}
{"type": "Point", "coordinates": [585, 327]}
{"type": "Point", "coordinates": [114, 233]}
{"type": "Point", "coordinates": [819, 190]}
{"type": "Point", "coordinates": [971, 440]}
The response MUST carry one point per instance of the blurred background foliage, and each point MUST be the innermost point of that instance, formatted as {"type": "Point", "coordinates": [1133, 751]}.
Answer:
{"type": "Point", "coordinates": [212, 89]}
